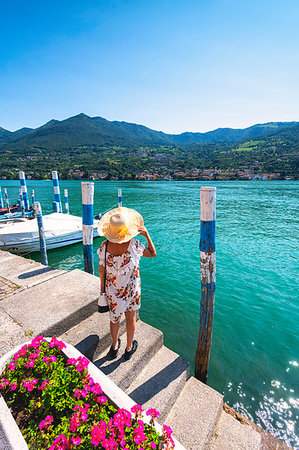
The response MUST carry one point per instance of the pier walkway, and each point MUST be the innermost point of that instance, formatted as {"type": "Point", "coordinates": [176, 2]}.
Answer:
{"type": "Point", "coordinates": [35, 299]}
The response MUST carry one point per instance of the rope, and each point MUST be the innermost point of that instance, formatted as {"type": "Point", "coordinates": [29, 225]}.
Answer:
{"type": "Point", "coordinates": [111, 207]}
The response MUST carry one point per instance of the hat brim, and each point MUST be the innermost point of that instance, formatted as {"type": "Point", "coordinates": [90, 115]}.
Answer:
{"type": "Point", "coordinates": [135, 220]}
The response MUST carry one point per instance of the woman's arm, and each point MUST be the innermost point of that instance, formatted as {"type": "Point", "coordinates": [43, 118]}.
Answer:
{"type": "Point", "coordinates": [102, 275]}
{"type": "Point", "coordinates": [149, 251]}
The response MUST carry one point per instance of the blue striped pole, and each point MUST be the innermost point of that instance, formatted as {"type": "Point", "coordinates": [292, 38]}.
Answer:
{"type": "Point", "coordinates": [208, 280]}
{"type": "Point", "coordinates": [24, 190]}
{"type": "Point", "coordinates": [87, 225]}
{"type": "Point", "coordinates": [6, 198]}
{"type": "Point", "coordinates": [56, 190]}
{"type": "Point", "coordinates": [1, 199]}
{"type": "Point", "coordinates": [32, 197]}
{"type": "Point", "coordinates": [55, 206]}
{"type": "Point", "coordinates": [41, 232]}
{"type": "Point", "coordinates": [120, 202]}
{"type": "Point", "coordinates": [66, 201]}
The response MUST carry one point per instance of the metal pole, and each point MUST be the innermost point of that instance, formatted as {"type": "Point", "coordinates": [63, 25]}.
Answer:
{"type": "Point", "coordinates": [208, 284]}
{"type": "Point", "coordinates": [32, 197]}
{"type": "Point", "coordinates": [24, 190]}
{"type": "Point", "coordinates": [6, 198]}
{"type": "Point", "coordinates": [1, 199]}
{"type": "Point", "coordinates": [120, 203]}
{"type": "Point", "coordinates": [66, 201]}
{"type": "Point", "coordinates": [87, 225]}
{"type": "Point", "coordinates": [56, 190]}
{"type": "Point", "coordinates": [41, 232]}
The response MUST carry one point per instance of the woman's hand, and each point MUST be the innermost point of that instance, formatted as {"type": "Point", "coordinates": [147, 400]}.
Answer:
{"type": "Point", "coordinates": [143, 231]}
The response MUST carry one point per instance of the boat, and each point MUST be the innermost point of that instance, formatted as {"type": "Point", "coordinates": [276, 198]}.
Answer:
{"type": "Point", "coordinates": [11, 209]}
{"type": "Point", "coordinates": [22, 236]}
{"type": "Point", "coordinates": [16, 215]}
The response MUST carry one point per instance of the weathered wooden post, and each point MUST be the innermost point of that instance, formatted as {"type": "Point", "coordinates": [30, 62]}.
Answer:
{"type": "Point", "coordinates": [120, 202]}
{"type": "Point", "coordinates": [6, 198]}
{"type": "Point", "coordinates": [87, 225]}
{"type": "Point", "coordinates": [32, 198]}
{"type": "Point", "coordinates": [208, 284]}
{"type": "Point", "coordinates": [24, 190]}
{"type": "Point", "coordinates": [66, 201]}
{"type": "Point", "coordinates": [1, 199]}
{"type": "Point", "coordinates": [41, 232]}
{"type": "Point", "coordinates": [56, 191]}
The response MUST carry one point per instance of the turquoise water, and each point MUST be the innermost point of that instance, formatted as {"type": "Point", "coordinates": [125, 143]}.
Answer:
{"type": "Point", "coordinates": [254, 357]}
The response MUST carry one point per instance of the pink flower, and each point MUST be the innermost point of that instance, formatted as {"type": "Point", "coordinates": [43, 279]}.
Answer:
{"type": "Point", "coordinates": [44, 384]}
{"type": "Point", "coordinates": [98, 433]}
{"type": "Point", "coordinates": [76, 440]}
{"type": "Point", "coordinates": [56, 343]}
{"type": "Point", "coordinates": [153, 413]}
{"type": "Point", "coordinates": [153, 445]}
{"type": "Point", "coordinates": [13, 386]}
{"type": "Point", "coordinates": [37, 341]}
{"type": "Point", "coordinates": [137, 409]}
{"type": "Point", "coordinates": [60, 443]}
{"type": "Point", "coordinates": [74, 422]}
{"type": "Point", "coordinates": [53, 358]}
{"type": "Point", "coordinates": [30, 384]}
{"type": "Point", "coordinates": [102, 399]}
{"type": "Point", "coordinates": [3, 383]}
{"type": "Point", "coordinates": [46, 422]}
{"type": "Point", "coordinates": [12, 366]}
{"type": "Point", "coordinates": [96, 389]}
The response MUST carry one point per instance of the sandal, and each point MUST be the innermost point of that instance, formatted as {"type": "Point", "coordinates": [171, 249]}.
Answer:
{"type": "Point", "coordinates": [128, 353]}
{"type": "Point", "coordinates": [112, 354]}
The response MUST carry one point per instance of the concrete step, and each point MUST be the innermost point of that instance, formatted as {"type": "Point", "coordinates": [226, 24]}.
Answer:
{"type": "Point", "coordinates": [123, 372]}
{"type": "Point", "coordinates": [233, 435]}
{"type": "Point", "coordinates": [54, 306]}
{"type": "Point", "coordinates": [160, 382]}
{"type": "Point", "coordinates": [195, 414]}
{"type": "Point", "coordinates": [92, 336]}
{"type": "Point", "coordinates": [25, 272]}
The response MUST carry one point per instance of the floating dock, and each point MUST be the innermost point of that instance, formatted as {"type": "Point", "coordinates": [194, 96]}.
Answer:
{"type": "Point", "coordinates": [37, 299]}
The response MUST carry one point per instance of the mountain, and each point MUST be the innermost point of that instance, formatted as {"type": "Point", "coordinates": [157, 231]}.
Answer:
{"type": "Point", "coordinates": [82, 130]}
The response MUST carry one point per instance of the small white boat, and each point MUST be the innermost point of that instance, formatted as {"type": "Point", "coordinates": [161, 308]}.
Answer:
{"type": "Point", "coordinates": [60, 230]}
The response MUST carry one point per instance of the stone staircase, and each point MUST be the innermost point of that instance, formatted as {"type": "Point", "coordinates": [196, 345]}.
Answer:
{"type": "Point", "coordinates": [41, 300]}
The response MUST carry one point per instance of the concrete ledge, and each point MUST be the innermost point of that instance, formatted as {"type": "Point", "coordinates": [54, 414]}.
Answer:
{"type": "Point", "coordinates": [11, 333]}
{"type": "Point", "coordinates": [160, 382]}
{"type": "Point", "coordinates": [10, 435]}
{"type": "Point", "coordinates": [149, 339]}
{"type": "Point", "coordinates": [195, 415]}
{"type": "Point", "coordinates": [56, 305]}
{"type": "Point", "coordinates": [231, 434]}
{"type": "Point", "coordinates": [25, 272]}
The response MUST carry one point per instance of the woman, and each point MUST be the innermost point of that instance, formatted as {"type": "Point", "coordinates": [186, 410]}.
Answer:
{"type": "Point", "coordinates": [121, 254]}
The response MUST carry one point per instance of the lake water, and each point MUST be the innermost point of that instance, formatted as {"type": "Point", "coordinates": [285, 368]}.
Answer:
{"type": "Point", "coordinates": [254, 356]}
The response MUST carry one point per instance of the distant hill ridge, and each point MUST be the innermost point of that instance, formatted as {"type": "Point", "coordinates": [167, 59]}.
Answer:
{"type": "Point", "coordinates": [83, 130]}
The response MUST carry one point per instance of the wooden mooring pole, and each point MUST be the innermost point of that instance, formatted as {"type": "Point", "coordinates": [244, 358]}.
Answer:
{"type": "Point", "coordinates": [66, 201]}
{"type": "Point", "coordinates": [1, 199]}
{"type": "Point", "coordinates": [6, 199]}
{"type": "Point", "coordinates": [87, 225]}
{"type": "Point", "coordinates": [24, 190]}
{"type": "Point", "coordinates": [120, 201]}
{"type": "Point", "coordinates": [207, 273]}
{"type": "Point", "coordinates": [55, 180]}
{"type": "Point", "coordinates": [41, 232]}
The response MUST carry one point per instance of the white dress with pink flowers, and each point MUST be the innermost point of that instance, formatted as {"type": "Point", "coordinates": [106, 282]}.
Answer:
{"type": "Point", "coordinates": [123, 285]}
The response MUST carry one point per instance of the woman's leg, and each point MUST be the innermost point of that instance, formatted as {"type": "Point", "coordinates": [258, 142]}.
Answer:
{"type": "Point", "coordinates": [114, 330]}
{"type": "Point", "coordinates": [131, 326]}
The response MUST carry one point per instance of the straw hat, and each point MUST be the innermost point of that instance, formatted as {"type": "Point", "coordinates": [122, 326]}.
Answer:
{"type": "Point", "coordinates": [120, 224]}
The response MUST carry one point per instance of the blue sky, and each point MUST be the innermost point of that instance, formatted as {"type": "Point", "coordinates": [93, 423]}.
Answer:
{"type": "Point", "coordinates": [170, 65]}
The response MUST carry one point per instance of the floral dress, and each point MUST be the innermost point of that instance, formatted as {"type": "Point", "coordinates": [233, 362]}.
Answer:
{"type": "Point", "coordinates": [123, 285]}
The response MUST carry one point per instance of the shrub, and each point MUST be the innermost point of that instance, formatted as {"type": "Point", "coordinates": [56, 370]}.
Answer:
{"type": "Point", "coordinates": [57, 404]}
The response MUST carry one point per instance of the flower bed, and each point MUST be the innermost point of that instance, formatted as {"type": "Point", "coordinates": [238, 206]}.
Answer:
{"type": "Point", "coordinates": [58, 405]}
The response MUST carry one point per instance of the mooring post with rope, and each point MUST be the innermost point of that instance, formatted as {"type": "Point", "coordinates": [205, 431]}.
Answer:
{"type": "Point", "coordinates": [1, 199]}
{"type": "Point", "coordinates": [24, 190]}
{"type": "Point", "coordinates": [41, 232]}
{"type": "Point", "coordinates": [120, 202]}
{"type": "Point", "coordinates": [87, 225]}
{"type": "Point", "coordinates": [32, 198]}
{"type": "Point", "coordinates": [6, 198]}
{"type": "Point", "coordinates": [66, 201]}
{"type": "Point", "coordinates": [208, 281]}
{"type": "Point", "coordinates": [56, 191]}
